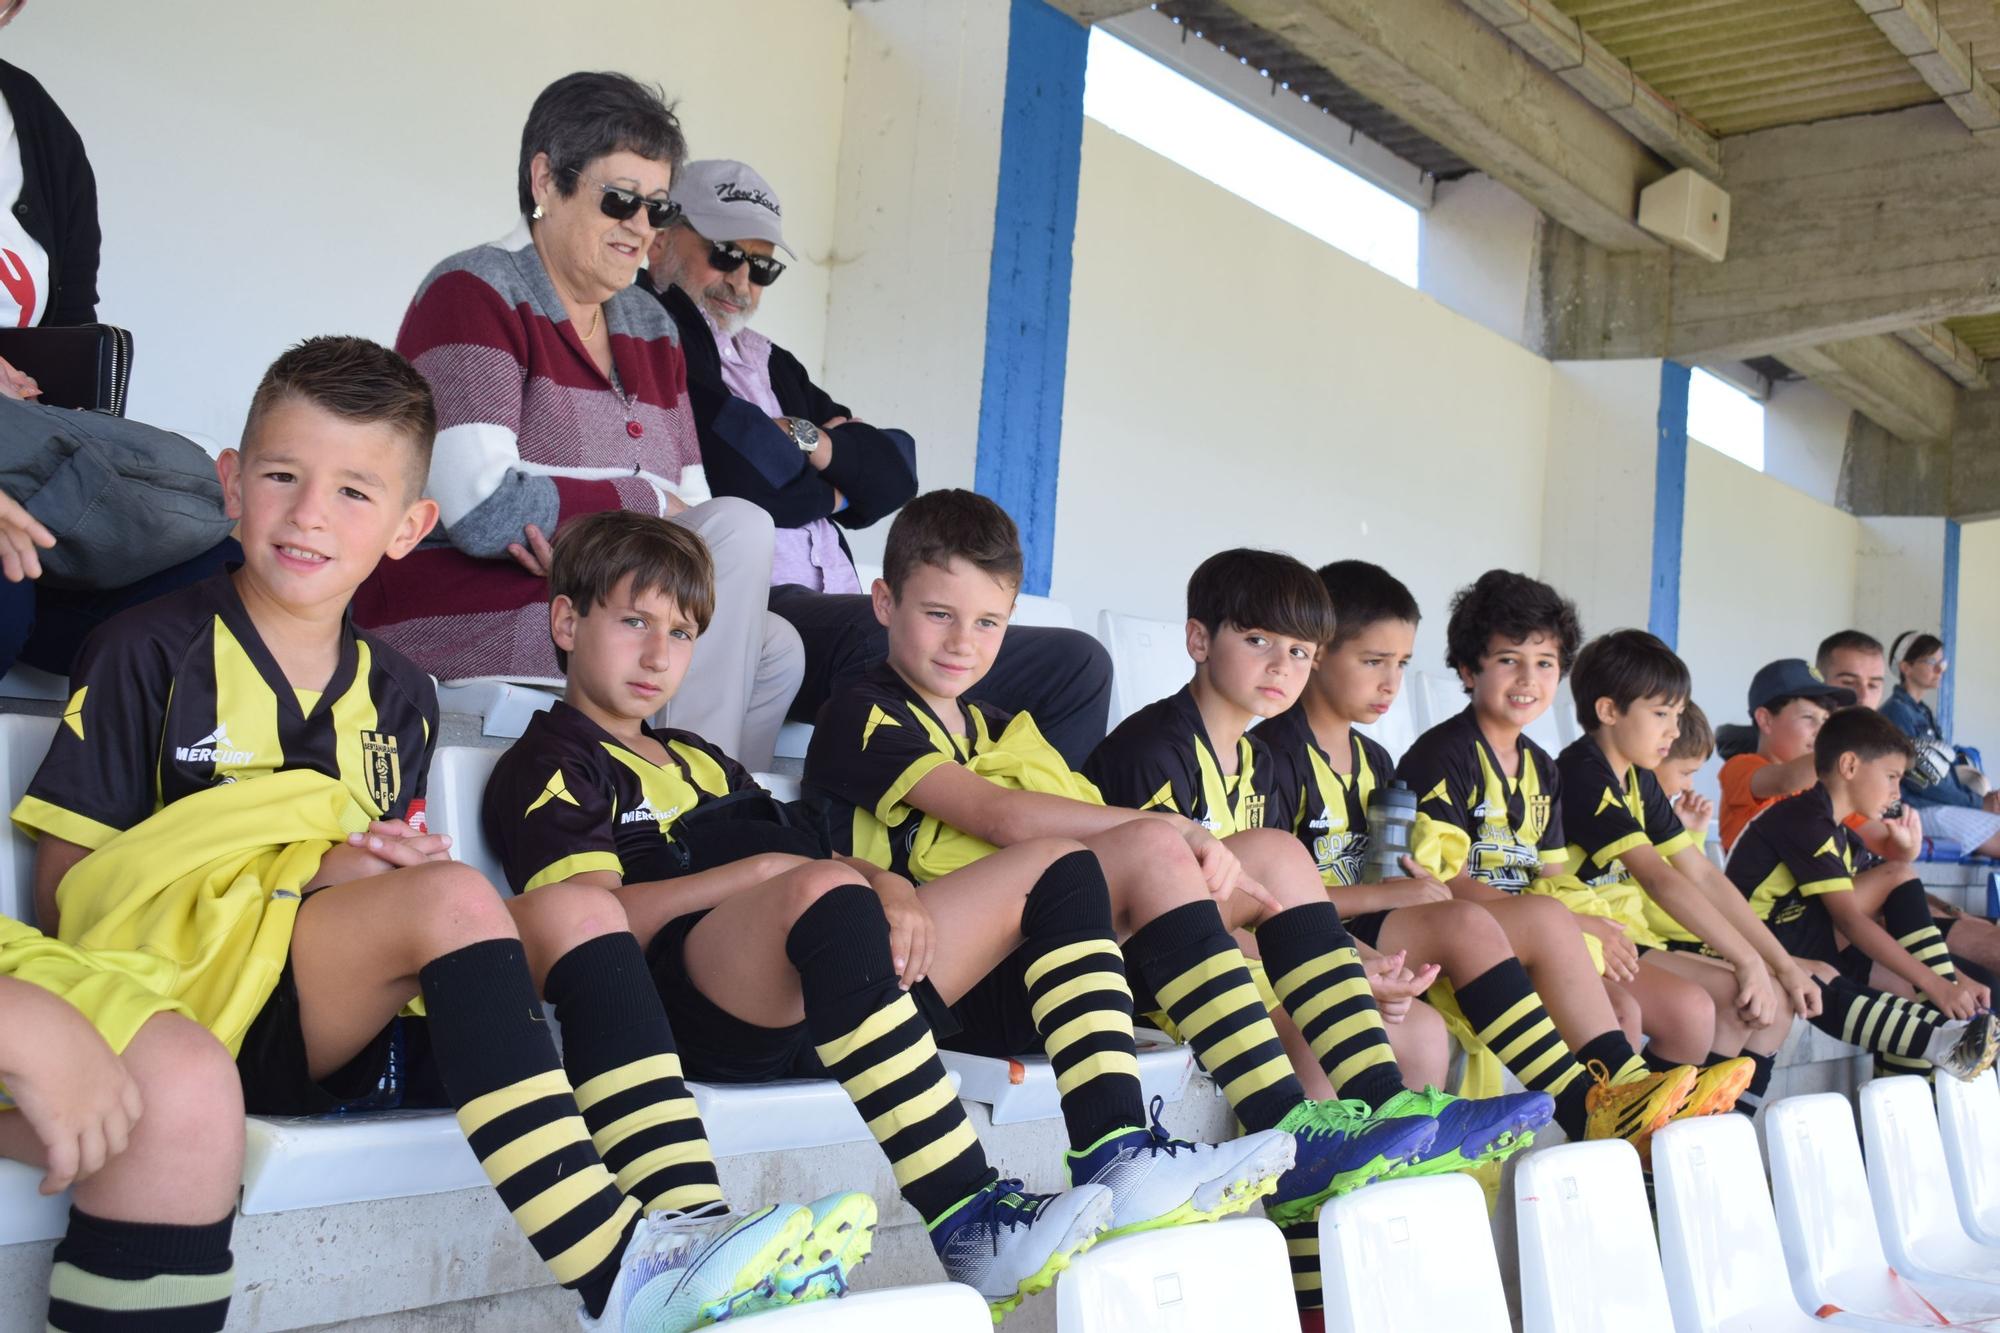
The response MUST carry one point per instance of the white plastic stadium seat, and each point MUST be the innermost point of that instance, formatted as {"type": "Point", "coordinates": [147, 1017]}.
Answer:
{"type": "Point", "coordinates": [451, 805]}
{"type": "Point", "coordinates": [1045, 612]}
{"type": "Point", "coordinates": [503, 706]}
{"type": "Point", "coordinates": [1563, 712]}
{"type": "Point", "coordinates": [1411, 1254]}
{"type": "Point", "coordinates": [1439, 698]}
{"type": "Point", "coordinates": [1398, 729]}
{"type": "Point", "coordinates": [943, 1307]}
{"type": "Point", "coordinates": [24, 740]}
{"type": "Point", "coordinates": [1969, 1119]}
{"type": "Point", "coordinates": [1148, 660]}
{"type": "Point", "coordinates": [1911, 1186]}
{"type": "Point", "coordinates": [781, 785]}
{"type": "Point", "coordinates": [1193, 1279]}
{"type": "Point", "coordinates": [1025, 1089]}
{"type": "Point", "coordinates": [26, 682]}
{"type": "Point", "coordinates": [1832, 1245]}
{"type": "Point", "coordinates": [1588, 1261]}
{"type": "Point", "coordinates": [793, 737]}
{"type": "Point", "coordinates": [1719, 1246]}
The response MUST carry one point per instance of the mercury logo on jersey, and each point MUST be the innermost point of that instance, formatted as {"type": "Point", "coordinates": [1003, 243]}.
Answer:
{"type": "Point", "coordinates": [214, 748]}
{"type": "Point", "coordinates": [644, 812]}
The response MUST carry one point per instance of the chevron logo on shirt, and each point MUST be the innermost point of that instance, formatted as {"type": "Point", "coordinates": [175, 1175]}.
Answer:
{"type": "Point", "coordinates": [876, 718]}
{"type": "Point", "coordinates": [1605, 802]}
{"type": "Point", "coordinates": [1438, 794]}
{"type": "Point", "coordinates": [555, 789]}
{"type": "Point", "coordinates": [1827, 849]}
{"type": "Point", "coordinates": [73, 711]}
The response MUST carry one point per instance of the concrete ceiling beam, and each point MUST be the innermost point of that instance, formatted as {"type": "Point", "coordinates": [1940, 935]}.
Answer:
{"type": "Point", "coordinates": [1914, 28]}
{"type": "Point", "coordinates": [1882, 378]}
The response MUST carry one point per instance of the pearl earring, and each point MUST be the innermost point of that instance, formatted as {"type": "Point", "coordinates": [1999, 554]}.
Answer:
{"type": "Point", "coordinates": [537, 214]}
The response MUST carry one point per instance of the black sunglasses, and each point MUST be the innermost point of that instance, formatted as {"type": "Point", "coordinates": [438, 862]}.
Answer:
{"type": "Point", "coordinates": [727, 257]}
{"type": "Point", "coordinates": [622, 204]}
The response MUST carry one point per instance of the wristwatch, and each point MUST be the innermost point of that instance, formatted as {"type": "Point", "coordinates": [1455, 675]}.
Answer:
{"type": "Point", "coordinates": [804, 434]}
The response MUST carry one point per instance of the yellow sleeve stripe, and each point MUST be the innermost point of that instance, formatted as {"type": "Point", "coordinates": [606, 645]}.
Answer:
{"type": "Point", "coordinates": [915, 773]}
{"type": "Point", "coordinates": [35, 816]}
{"type": "Point", "coordinates": [558, 871]}
{"type": "Point", "coordinates": [1675, 845]}
{"type": "Point", "coordinates": [1608, 853]}
{"type": "Point", "coordinates": [1819, 886]}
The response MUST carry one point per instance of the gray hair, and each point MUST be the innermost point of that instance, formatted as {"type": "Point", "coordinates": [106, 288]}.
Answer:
{"type": "Point", "coordinates": [582, 117]}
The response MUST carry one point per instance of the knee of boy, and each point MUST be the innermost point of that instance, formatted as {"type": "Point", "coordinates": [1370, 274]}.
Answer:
{"type": "Point", "coordinates": [456, 906]}
{"type": "Point", "coordinates": [562, 916]}
{"type": "Point", "coordinates": [1048, 851]}
{"type": "Point", "coordinates": [810, 883]}
{"type": "Point", "coordinates": [1281, 862]}
{"type": "Point", "coordinates": [189, 1083]}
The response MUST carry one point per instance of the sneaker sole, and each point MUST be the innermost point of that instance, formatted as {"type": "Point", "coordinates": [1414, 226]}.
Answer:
{"type": "Point", "coordinates": [1237, 1196]}
{"type": "Point", "coordinates": [837, 1245]}
{"type": "Point", "coordinates": [1720, 1099]}
{"type": "Point", "coordinates": [755, 1288]}
{"type": "Point", "coordinates": [1987, 1052]}
{"type": "Point", "coordinates": [1498, 1149]}
{"type": "Point", "coordinates": [1045, 1277]}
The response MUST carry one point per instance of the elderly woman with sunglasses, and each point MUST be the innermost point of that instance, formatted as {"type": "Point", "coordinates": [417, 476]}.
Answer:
{"type": "Point", "coordinates": [562, 390]}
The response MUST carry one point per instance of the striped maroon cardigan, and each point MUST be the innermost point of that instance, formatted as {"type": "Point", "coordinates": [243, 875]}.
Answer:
{"type": "Point", "coordinates": [529, 431]}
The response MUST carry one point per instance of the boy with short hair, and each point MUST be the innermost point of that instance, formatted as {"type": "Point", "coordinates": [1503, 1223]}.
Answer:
{"type": "Point", "coordinates": [911, 775]}
{"type": "Point", "coordinates": [773, 963]}
{"type": "Point", "coordinates": [1505, 959]}
{"type": "Point", "coordinates": [1788, 705]}
{"type": "Point", "coordinates": [1692, 746]}
{"type": "Point", "coordinates": [1854, 661]}
{"type": "Point", "coordinates": [112, 1090]}
{"type": "Point", "coordinates": [1795, 863]}
{"type": "Point", "coordinates": [1490, 820]}
{"type": "Point", "coordinates": [237, 787]}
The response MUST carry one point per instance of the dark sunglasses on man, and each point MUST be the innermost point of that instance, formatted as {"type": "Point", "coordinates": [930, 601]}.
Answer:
{"type": "Point", "coordinates": [728, 256]}
{"type": "Point", "coordinates": [622, 204]}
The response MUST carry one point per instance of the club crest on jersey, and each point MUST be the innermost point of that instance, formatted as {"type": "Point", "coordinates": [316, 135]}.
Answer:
{"type": "Point", "coordinates": [214, 748]}
{"type": "Point", "coordinates": [1250, 814]}
{"type": "Point", "coordinates": [383, 770]}
{"type": "Point", "coordinates": [1538, 818]}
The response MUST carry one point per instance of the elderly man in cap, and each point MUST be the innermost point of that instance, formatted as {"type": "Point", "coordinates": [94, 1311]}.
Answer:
{"type": "Point", "coordinates": [772, 436]}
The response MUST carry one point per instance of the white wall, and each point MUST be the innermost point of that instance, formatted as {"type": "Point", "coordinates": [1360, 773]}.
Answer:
{"type": "Point", "coordinates": [1332, 413]}
{"type": "Point", "coordinates": [1766, 572]}
{"type": "Point", "coordinates": [1975, 657]}
{"type": "Point", "coordinates": [1899, 576]}
{"type": "Point", "coordinates": [1597, 535]}
{"type": "Point", "coordinates": [1477, 251]}
{"type": "Point", "coordinates": [270, 171]}
{"type": "Point", "coordinates": [1805, 437]}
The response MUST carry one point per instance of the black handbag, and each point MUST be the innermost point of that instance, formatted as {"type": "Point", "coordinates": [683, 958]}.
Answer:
{"type": "Point", "coordinates": [83, 365]}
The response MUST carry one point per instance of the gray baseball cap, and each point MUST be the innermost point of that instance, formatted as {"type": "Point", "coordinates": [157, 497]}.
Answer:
{"type": "Point", "coordinates": [727, 201]}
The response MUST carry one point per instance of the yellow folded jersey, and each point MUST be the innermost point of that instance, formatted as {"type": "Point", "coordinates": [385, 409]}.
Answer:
{"type": "Point", "coordinates": [113, 990]}
{"type": "Point", "coordinates": [198, 900]}
{"type": "Point", "coordinates": [1019, 760]}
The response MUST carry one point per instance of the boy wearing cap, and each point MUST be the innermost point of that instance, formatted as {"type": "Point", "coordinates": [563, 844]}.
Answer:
{"type": "Point", "coordinates": [1788, 703]}
{"type": "Point", "coordinates": [771, 436]}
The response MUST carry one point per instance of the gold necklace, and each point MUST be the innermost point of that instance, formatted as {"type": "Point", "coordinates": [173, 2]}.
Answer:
{"type": "Point", "coordinates": [596, 315]}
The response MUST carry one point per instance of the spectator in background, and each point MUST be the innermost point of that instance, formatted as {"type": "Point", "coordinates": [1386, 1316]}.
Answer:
{"type": "Point", "coordinates": [561, 391]}
{"type": "Point", "coordinates": [772, 436]}
{"type": "Point", "coordinates": [1855, 662]}
{"type": "Point", "coordinates": [1940, 785]}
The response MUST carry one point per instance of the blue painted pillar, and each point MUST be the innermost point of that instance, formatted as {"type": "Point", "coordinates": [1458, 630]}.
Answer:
{"type": "Point", "coordinates": [1027, 295]}
{"type": "Point", "coordinates": [1669, 502]}
{"type": "Point", "coordinates": [1947, 626]}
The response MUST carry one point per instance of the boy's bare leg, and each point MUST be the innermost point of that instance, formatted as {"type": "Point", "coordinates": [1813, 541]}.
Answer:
{"type": "Point", "coordinates": [1718, 982]}
{"type": "Point", "coordinates": [1625, 1005]}
{"type": "Point", "coordinates": [1546, 938]}
{"type": "Point", "coordinates": [1423, 1048]}
{"type": "Point", "coordinates": [1305, 1065]}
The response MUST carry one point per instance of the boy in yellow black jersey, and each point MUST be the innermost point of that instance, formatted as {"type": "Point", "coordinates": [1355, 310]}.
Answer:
{"type": "Point", "coordinates": [905, 772]}
{"type": "Point", "coordinates": [108, 1086]}
{"type": "Point", "coordinates": [1489, 816]}
{"type": "Point", "coordinates": [1630, 848]}
{"type": "Point", "coordinates": [1505, 959]}
{"type": "Point", "coordinates": [1796, 864]}
{"type": "Point", "coordinates": [236, 790]}
{"type": "Point", "coordinates": [773, 963]}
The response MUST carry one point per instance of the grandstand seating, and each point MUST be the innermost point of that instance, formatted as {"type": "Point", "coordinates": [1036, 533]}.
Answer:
{"type": "Point", "coordinates": [1912, 1189]}
{"type": "Point", "coordinates": [1588, 1260]}
{"type": "Point", "coordinates": [1181, 1280]}
{"type": "Point", "coordinates": [1413, 1254]}
{"type": "Point", "coordinates": [1969, 1121]}
{"type": "Point", "coordinates": [943, 1307]}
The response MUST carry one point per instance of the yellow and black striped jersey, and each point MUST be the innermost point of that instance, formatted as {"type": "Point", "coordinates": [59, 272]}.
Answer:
{"type": "Point", "coordinates": [1160, 758]}
{"type": "Point", "coordinates": [1605, 817]}
{"type": "Point", "coordinates": [569, 797]}
{"type": "Point", "coordinates": [1471, 816]}
{"type": "Point", "coordinates": [875, 740]}
{"type": "Point", "coordinates": [181, 694]}
{"type": "Point", "coordinates": [1327, 810]}
{"type": "Point", "coordinates": [1792, 854]}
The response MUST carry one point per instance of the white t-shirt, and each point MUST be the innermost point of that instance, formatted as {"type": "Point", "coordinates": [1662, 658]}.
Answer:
{"type": "Point", "coordinates": [24, 265]}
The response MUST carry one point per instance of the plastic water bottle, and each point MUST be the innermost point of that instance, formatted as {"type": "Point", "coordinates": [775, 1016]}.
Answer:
{"type": "Point", "coordinates": [1392, 814]}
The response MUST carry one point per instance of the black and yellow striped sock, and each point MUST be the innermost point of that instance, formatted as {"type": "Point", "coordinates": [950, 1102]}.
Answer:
{"type": "Point", "coordinates": [1080, 1000]}
{"type": "Point", "coordinates": [1620, 1062]}
{"type": "Point", "coordinates": [1508, 1017]}
{"type": "Point", "coordinates": [1317, 975]}
{"type": "Point", "coordinates": [1906, 914]}
{"type": "Point", "coordinates": [1762, 1067]}
{"type": "Point", "coordinates": [1888, 1025]}
{"type": "Point", "coordinates": [1199, 976]}
{"type": "Point", "coordinates": [520, 1115]}
{"type": "Point", "coordinates": [140, 1277]}
{"type": "Point", "coordinates": [871, 1037]}
{"type": "Point", "coordinates": [1302, 1247]}
{"type": "Point", "coordinates": [618, 1051]}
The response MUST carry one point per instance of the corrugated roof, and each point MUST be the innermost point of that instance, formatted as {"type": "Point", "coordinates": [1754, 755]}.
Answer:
{"type": "Point", "coordinates": [1980, 332]}
{"type": "Point", "coordinates": [1216, 22]}
{"type": "Point", "coordinates": [1743, 65]}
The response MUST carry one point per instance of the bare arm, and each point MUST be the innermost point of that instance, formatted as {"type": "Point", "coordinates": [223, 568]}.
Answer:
{"type": "Point", "coordinates": [1782, 779]}
{"type": "Point", "coordinates": [1695, 905]}
{"type": "Point", "coordinates": [1862, 931]}
{"type": "Point", "coordinates": [1474, 890]}
{"type": "Point", "coordinates": [53, 859]}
